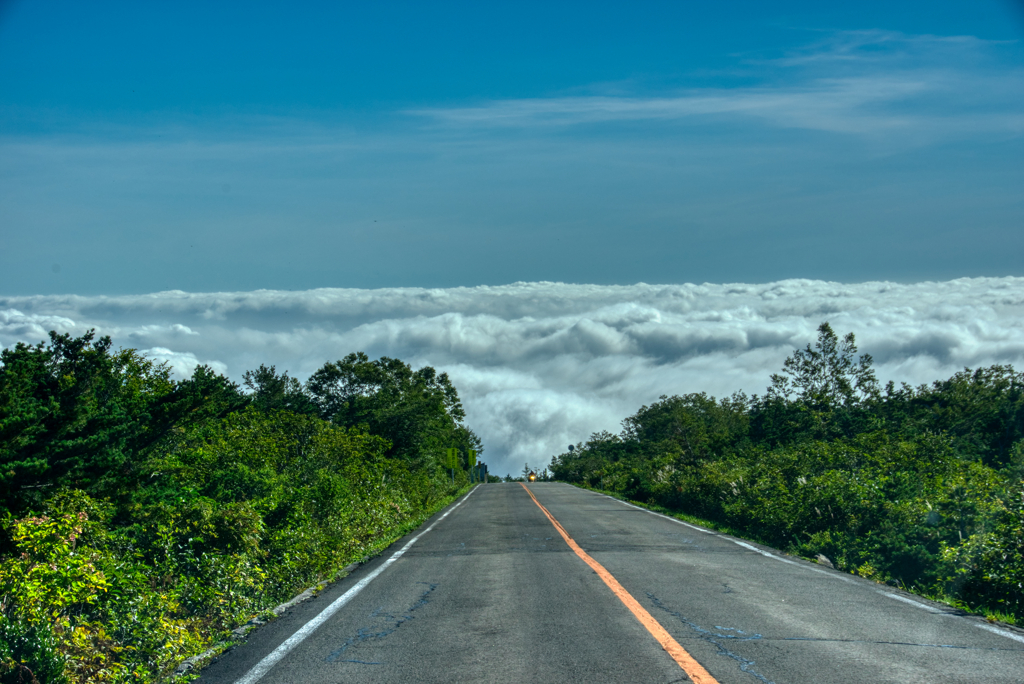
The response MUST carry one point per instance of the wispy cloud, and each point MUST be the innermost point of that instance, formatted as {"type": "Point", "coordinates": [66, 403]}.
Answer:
{"type": "Point", "coordinates": [829, 105]}
{"type": "Point", "coordinates": [886, 48]}
{"type": "Point", "coordinates": [540, 365]}
{"type": "Point", "coordinates": [856, 82]}
{"type": "Point", "coordinates": [904, 140]}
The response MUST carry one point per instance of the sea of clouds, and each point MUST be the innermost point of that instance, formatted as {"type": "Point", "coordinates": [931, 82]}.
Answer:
{"type": "Point", "coordinates": [541, 365]}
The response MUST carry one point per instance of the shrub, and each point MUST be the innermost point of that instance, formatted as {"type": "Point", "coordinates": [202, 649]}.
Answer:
{"type": "Point", "coordinates": [988, 567]}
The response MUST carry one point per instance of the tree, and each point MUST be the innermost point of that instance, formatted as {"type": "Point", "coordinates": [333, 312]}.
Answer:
{"type": "Point", "coordinates": [828, 375]}
{"type": "Point", "coordinates": [419, 411]}
{"type": "Point", "coordinates": [692, 428]}
{"type": "Point", "coordinates": [982, 408]}
{"type": "Point", "coordinates": [70, 412]}
{"type": "Point", "coordinates": [822, 393]}
{"type": "Point", "coordinates": [588, 461]}
{"type": "Point", "coordinates": [272, 391]}
{"type": "Point", "coordinates": [74, 413]}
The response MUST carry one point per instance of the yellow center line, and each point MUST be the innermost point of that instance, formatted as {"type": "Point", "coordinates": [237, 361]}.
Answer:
{"type": "Point", "coordinates": [694, 670]}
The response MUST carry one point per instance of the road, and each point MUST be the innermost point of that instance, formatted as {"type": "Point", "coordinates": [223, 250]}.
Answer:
{"type": "Point", "coordinates": [493, 592]}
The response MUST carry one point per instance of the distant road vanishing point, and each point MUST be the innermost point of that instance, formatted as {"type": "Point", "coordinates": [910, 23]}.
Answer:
{"type": "Point", "coordinates": [545, 582]}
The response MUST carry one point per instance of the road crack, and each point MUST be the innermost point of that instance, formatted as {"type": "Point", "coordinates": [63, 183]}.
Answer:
{"type": "Point", "coordinates": [723, 633]}
{"type": "Point", "coordinates": [390, 624]}
{"type": "Point", "coordinates": [896, 643]}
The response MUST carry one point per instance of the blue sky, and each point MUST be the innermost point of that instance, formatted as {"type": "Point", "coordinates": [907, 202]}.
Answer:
{"type": "Point", "coordinates": [236, 146]}
{"type": "Point", "coordinates": [423, 156]}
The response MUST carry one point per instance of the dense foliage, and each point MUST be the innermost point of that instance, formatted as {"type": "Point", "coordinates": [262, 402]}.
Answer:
{"type": "Point", "coordinates": [147, 517]}
{"type": "Point", "coordinates": [920, 486]}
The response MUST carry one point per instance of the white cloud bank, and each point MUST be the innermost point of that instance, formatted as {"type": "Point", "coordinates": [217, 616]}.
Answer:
{"type": "Point", "coordinates": [540, 365]}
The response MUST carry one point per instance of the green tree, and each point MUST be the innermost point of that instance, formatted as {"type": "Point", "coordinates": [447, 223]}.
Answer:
{"type": "Point", "coordinates": [271, 391]}
{"type": "Point", "coordinates": [589, 461]}
{"type": "Point", "coordinates": [828, 375]}
{"type": "Point", "coordinates": [75, 413]}
{"type": "Point", "coordinates": [70, 413]}
{"type": "Point", "coordinates": [822, 392]}
{"type": "Point", "coordinates": [691, 428]}
{"type": "Point", "coordinates": [982, 409]}
{"type": "Point", "coordinates": [418, 411]}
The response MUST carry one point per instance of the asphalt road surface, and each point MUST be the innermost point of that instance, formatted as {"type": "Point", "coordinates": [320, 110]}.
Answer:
{"type": "Point", "coordinates": [490, 590]}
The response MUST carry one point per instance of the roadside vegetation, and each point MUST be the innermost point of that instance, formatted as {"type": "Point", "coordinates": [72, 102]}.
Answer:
{"type": "Point", "coordinates": [144, 518]}
{"type": "Point", "coordinates": [920, 487]}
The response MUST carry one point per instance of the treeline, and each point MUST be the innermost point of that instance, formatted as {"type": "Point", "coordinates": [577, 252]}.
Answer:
{"type": "Point", "coordinates": [144, 518]}
{"type": "Point", "coordinates": [916, 486]}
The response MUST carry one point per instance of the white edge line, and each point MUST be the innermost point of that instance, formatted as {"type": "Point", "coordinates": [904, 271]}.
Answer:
{"type": "Point", "coordinates": [263, 667]}
{"type": "Point", "coordinates": [1001, 632]}
{"type": "Point", "coordinates": [912, 602]}
{"type": "Point", "coordinates": [744, 544]}
{"type": "Point", "coordinates": [930, 609]}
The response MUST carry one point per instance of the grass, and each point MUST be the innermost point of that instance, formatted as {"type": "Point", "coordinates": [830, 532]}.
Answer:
{"type": "Point", "coordinates": [989, 614]}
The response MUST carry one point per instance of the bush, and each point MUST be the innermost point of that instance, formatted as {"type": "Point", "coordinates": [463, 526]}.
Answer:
{"type": "Point", "coordinates": [29, 654]}
{"type": "Point", "coordinates": [988, 567]}
{"type": "Point", "coordinates": [905, 484]}
{"type": "Point", "coordinates": [236, 517]}
{"type": "Point", "coordinates": [225, 503]}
